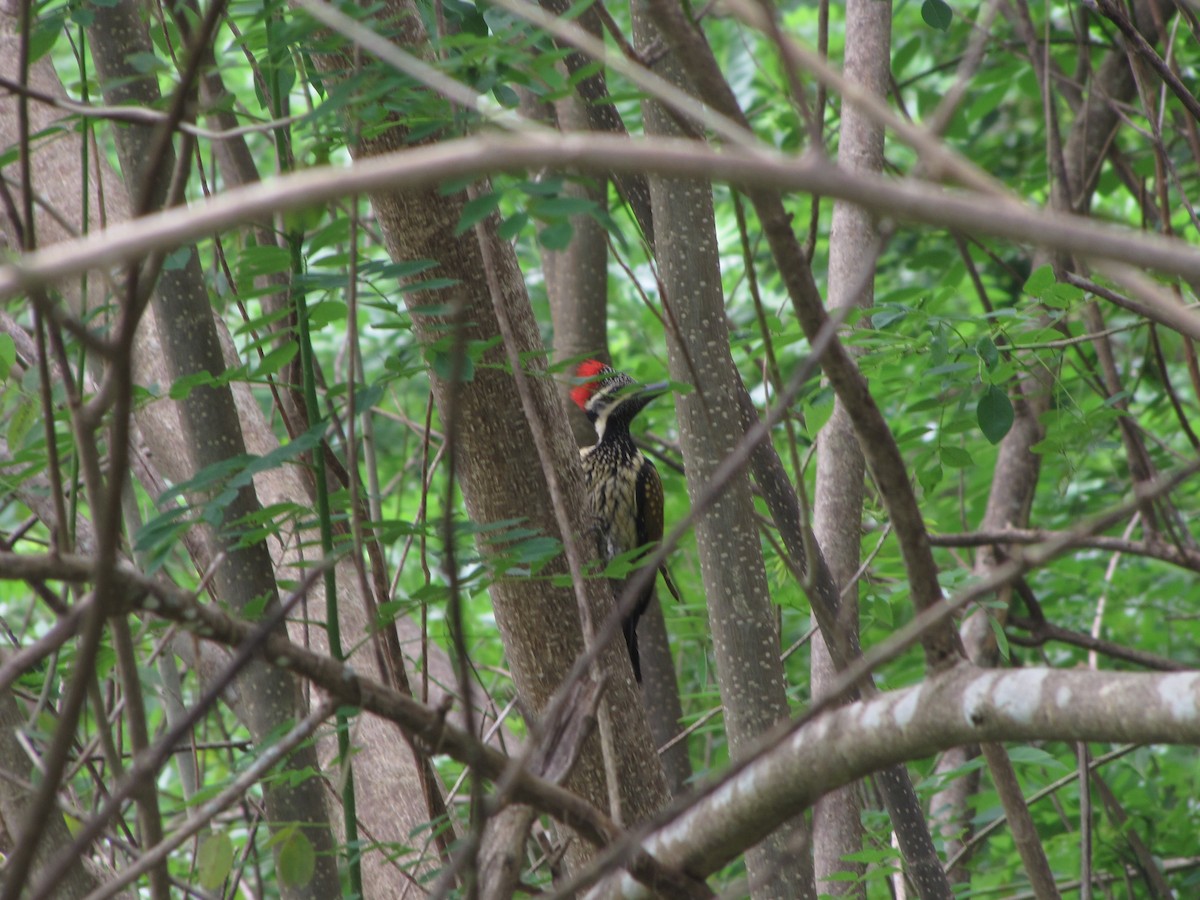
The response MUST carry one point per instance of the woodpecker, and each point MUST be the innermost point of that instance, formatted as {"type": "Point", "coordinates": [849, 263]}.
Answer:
{"type": "Point", "coordinates": [627, 494]}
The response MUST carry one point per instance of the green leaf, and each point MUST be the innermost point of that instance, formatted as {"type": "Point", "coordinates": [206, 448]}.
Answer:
{"type": "Point", "coordinates": [178, 259]}
{"type": "Point", "coordinates": [232, 473]}
{"type": "Point", "coordinates": [43, 37]}
{"type": "Point", "coordinates": [547, 187]}
{"type": "Point", "coordinates": [275, 360]}
{"type": "Point", "coordinates": [1035, 756]}
{"type": "Point", "coordinates": [986, 348]}
{"type": "Point", "coordinates": [924, 405]}
{"type": "Point", "coordinates": [429, 284]}
{"type": "Point", "coordinates": [939, 349]}
{"type": "Point", "coordinates": [955, 457]}
{"type": "Point", "coordinates": [256, 261]}
{"type": "Point", "coordinates": [452, 186]}
{"type": "Point", "coordinates": [21, 421]}
{"type": "Point", "coordinates": [506, 96]}
{"type": "Point", "coordinates": [1039, 280]}
{"type": "Point", "coordinates": [329, 235]}
{"type": "Point", "coordinates": [929, 476]}
{"type": "Point", "coordinates": [8, 353]}
{"type": "Point", "coordinates": [1001, 637]}
{"type": "Point", "coordinates": [208, 477]}
{"type": "Point", "coordinates": [303, 443]}
{"type": "Point", "coordinates": [442, 363]}
{"type": "Point", "coordinates": [949, 368]}
{"type": "Point", "coordinates": [512, 226]}
{"type": "Point", "coordinates": [185, 385]}
{"type": "Point", "coordinates": [904, 55]}
{"type": "Point", "coordinates": [937, 14]}
{"type": "Point", "coordinates": [158, 537]}
{"type": "Point", "coordinates": [398, 270]}
{"type": "Point", "coordinates": [1043, 285]}
{"type": "Point", "coordinates": [536, 551]}
{"type": "Point", "coordinates": [326, 313]}
{"type": "Point", "coordinates": [559, 207]}
{"type": "Point", "coordinates": [146, 63]}
{"type": "Point", "coordinates": [476, 210]}
{"type": "Point", "coordinates": [556, 236]}
{"type": "Point", "coordinates": [994, 414]}
{"type": "Point", "coordinates": [297, 861]}
{"type": "Point", "coordinates": [818, 408]}
{"type": "Point", "coordinates": [214, 861]}
{"type": "Point", "coordinates": [466, 16]}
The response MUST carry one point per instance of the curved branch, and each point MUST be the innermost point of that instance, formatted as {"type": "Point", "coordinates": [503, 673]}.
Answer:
{"type": "Point", "coordinates": [961, 705]}
{"type": "Point", "coordinates": [909, 200]}
{"type": "Point", "coordinates": [1184, 557]}
{"type": "Point", "coordinates": [428, 726]}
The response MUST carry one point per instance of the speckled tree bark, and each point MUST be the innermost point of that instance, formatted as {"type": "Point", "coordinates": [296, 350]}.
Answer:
{"type": "Point", "coordinates": [390, 803]}
{"type": "Point", "coordinates": [838, 499]}
{"type": "Point", "coordinates": [1017, 466]}
{"type": "Point", "coordinates": [895, 786]}
{"type": "Point", "coordinates": [209, 420]}
{"type": "Point", "coordinates": [577, 285]}
{"type": "Point", "coordinates": [745, 639]}
{"type": "Point", "coordinates": [78, 881]}
{"type": "Point", "coordinates": [501, 475]}
{"type": "Point", "coordinates": [577, 282]}
{"type": "Point", "coordinates": [958, 705]}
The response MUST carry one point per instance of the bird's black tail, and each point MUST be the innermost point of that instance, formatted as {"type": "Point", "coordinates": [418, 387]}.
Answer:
{"type": "Point", "coordinates": [629, 626]}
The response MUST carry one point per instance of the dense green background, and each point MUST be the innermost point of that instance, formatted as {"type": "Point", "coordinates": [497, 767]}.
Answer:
{"type": "Point", "coordinates": [939, 363]}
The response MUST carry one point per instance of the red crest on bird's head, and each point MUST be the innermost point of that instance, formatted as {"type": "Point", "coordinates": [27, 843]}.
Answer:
{"type": "Point", "coordinates": [587, 370]}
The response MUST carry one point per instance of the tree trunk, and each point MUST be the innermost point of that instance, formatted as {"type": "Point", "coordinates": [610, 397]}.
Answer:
{"type": "Point", "coordinates": [745, 638]}
{"type": "Point", "coordinates": [210, 423]}
{"type": "Point", "coordinates": [391, 805]}
{"type": "Point", "coordinates": [837, 508]}
{"type": "Point", "coordinates": [501, 474]}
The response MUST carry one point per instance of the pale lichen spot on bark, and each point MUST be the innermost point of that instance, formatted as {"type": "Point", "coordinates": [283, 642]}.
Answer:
{"type": "Point", "coordinates": [1018, 695]}
{"type": "Point", "coordinates": [727, 795]}
{"type": "Point", "coordinates": [1063, 697]}
{"type": "Point", "coordinates": [906, 709]}
{"type": "Point", "coordinates": [1178, 692]}
{"type": "Point", "coordinates": [819, 730]}
{"type": "Point", "coordinates": [874, 713]}
{"type": "Point", "coordinates": [974, 700]}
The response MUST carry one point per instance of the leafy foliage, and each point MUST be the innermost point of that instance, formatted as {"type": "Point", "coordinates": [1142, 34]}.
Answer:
{"type": "Point", "coordinates": [964, 328]}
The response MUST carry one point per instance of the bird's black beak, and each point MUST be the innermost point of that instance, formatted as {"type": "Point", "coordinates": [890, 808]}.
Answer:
{"type": "Point", "coordinates": [641, 395]}
{"type": "Point", "coordinates": [657, 389]}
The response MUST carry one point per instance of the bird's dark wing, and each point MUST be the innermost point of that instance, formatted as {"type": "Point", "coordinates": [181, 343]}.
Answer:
{"type": "Point", "coordinates": [650, 500]}
{"type": "Point", "coordinates": [649, 504]}
{"type": "Point", "coordinates": [670, 582]}
{"type": "Point", "coordinates": [650, 520]}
